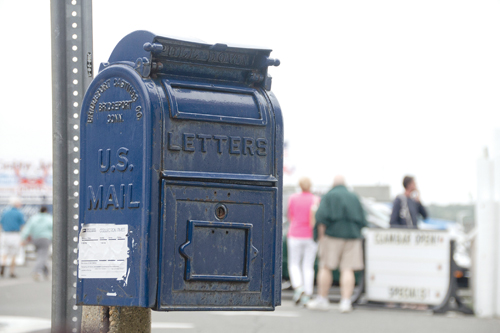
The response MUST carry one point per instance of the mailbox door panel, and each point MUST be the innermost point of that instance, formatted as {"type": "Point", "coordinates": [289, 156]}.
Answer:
{"type": "Point", "coordinates": [217, 249]}
{"type": "Point", "coordinates": [215, 128]}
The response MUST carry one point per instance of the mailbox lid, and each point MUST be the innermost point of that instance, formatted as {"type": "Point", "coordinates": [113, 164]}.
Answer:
{"type": "Point", "coordinates": [211, 263]}
{"type": "Point", "coordinates": [163, 55]}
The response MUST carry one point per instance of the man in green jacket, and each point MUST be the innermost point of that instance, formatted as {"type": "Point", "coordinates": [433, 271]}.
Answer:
{"type": "Point", "coordinates": [339, 220]}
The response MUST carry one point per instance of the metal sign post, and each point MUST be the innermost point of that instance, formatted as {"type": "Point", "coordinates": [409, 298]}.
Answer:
{"type": "Point", "coordinates": [72, 72]}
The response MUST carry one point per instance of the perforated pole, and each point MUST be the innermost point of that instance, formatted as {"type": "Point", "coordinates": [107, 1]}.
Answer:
{"type": "Point", "coordinates": [72, 72]}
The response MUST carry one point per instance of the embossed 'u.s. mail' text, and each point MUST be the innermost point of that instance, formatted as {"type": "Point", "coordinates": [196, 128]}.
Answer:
{"type": "Point", "coordinates": [117, 195]}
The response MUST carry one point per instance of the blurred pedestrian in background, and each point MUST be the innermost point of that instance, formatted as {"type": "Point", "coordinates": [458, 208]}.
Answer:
{"type": "Point", "coordinates": [10, 239]}
{"type": "Point", "coordinates": [301, 245]}
{"type": "Point", "coordinates": [339, 219]}
{"type": "Point", "coordinates": [39, 230]}
{"type": "Point", "coordinates": [405, 211]}
{"type": "Point", "coordinates": [407, 206]}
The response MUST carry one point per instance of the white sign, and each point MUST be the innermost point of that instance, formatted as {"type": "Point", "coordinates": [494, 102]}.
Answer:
{"type": "Point", "coordinates": [407, 266]}
{"type": "Point", "coordinates": [31, 181]}
{"type": "Point", "coordinates": [103, 251]}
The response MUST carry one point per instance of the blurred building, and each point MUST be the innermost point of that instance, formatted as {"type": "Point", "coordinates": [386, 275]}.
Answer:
{"type": "Point", "coordinates": [379, 193]}
{"type": "Point", "coordinates": [31, 181]}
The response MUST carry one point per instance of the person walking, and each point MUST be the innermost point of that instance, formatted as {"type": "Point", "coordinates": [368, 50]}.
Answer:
{"type": "Point", "coordinates": [407, 206]}
{"type": "Point", "coordinates": [301, 245]}
{"type": "Point", "coordinates": [339, 220]}
{"type": "Point", "coordinates": [405, 211]}
{"type": "Point", "coordinates": [39, 229]}
{"type": "Point", "coordinates": [10, 239]}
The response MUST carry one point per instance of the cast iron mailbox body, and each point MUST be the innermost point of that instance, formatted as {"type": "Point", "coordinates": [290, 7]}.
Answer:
{"type": "Point", "coordinates": [181, 178]}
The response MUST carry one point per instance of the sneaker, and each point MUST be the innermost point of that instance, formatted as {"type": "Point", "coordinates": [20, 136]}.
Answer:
{"type": "Point", "coordinates": [345, 306]}
{"type": "Point", "coordinates": [319, 303]}
{"type": "Point", "coordinates": [304, 300]}
{"type": "Point", "coordinates": [297, 295]}
{"type": "Point", "coordinates": [285, 285]}
{"type": "Point", "coordinates": [13, 276]}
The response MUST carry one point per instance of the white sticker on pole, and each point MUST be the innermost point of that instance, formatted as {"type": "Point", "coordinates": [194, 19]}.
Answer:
{"type": "Point", "coordinates": [103, 251]}
{"type": "Point", "coordinates": [407, 266]}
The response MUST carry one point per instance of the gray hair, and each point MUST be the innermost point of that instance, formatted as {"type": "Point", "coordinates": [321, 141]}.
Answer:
{"type": "Point", "coordinates": [338, 180]}
{"type": "Point", "coordinates": [15, 201]}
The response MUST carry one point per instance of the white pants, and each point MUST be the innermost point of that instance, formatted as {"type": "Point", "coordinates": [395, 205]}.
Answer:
{"type": "Point", "coordinates": [301, 256]}
{"type": "Point", "coordinates": [10, 243]}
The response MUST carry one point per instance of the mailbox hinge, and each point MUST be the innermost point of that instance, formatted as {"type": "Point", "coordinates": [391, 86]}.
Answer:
{"type": "Point", "coordinates": [143, 67]}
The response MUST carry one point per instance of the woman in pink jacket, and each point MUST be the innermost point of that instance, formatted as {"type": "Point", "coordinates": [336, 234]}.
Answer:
{"type": "Point", "coordinates": [301, 246]}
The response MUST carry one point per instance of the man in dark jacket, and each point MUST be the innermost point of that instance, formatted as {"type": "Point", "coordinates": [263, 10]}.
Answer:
{"type": "Point", "coordinates": [407, 206]}
{"type": "Point", "coordinates": [339, 219]}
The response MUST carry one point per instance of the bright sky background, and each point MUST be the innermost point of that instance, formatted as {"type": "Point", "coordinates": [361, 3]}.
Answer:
{"type": "Point", "coordinates": [370, 89]}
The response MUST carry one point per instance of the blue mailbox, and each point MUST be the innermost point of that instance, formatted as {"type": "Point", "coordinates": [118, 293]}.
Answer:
{"type": "Point", "coordinates": [181, 178]}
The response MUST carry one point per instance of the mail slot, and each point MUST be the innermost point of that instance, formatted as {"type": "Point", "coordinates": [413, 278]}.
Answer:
{"type": "Point", "coordinates": [181, 178]}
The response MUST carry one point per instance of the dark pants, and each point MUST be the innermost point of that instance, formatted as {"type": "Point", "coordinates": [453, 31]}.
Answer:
{"type": "Point", "coordinates": [42, 246]}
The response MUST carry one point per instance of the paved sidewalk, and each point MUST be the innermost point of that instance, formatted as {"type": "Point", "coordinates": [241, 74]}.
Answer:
{"type": "Point", "coordinates": [292, 319]}
{"type": "Point", "coordinates": [27, 304]}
